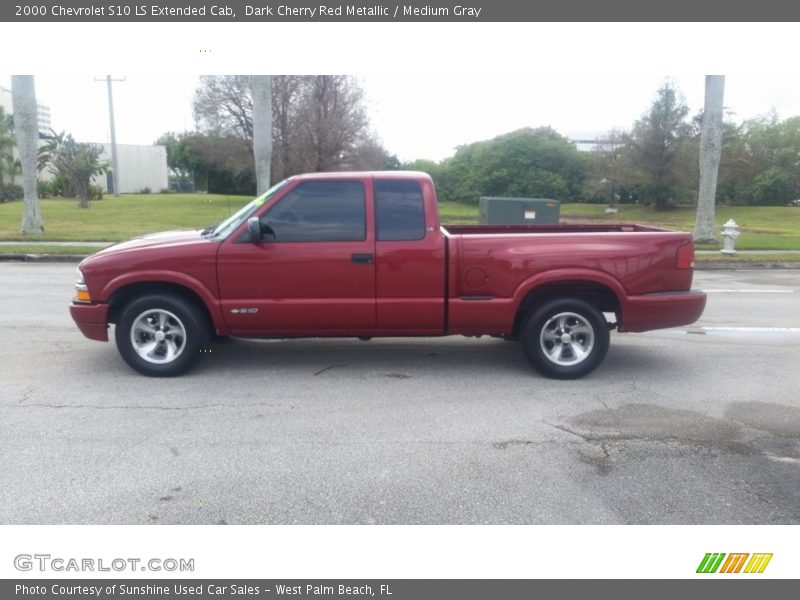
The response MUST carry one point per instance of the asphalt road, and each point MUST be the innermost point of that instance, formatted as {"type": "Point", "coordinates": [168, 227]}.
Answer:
{"type": "Point", "coordinates": [692, 425]}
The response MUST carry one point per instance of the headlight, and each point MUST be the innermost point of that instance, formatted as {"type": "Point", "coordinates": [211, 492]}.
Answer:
{"type": "Point", "coordinates": [81, 291]}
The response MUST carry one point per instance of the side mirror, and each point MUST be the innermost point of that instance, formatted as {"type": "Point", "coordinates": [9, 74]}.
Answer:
{"type": "Point", "coordinates": [258, 230]}
{"type": "Point", "coordinates": [254, 229]}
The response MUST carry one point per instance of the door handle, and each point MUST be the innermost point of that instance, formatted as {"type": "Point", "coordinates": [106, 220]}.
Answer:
{"type": "Point", "coordinates": [362, 259]}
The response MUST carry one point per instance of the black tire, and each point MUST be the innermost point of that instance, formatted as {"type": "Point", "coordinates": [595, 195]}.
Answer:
{"type": "Point", "coordinates": [161, 335]}
{"type": "Point", "coordinates": [565, 338]}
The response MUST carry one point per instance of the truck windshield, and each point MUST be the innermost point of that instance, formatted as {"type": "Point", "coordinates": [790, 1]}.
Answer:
{"type": "Point", "coordinates": [226, 227]}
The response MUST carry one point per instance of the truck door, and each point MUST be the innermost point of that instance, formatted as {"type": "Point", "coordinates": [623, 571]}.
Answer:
{"type": "Point", "coordinates": [313, 274]}
{"type": "Point", "coordinates": [409, 257]}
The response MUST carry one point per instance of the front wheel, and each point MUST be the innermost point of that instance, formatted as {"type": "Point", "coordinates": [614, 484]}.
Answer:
{"type": "Point", "coordinates": [161, 335]}
{"type": "Point", "coordinates": [566, 338]}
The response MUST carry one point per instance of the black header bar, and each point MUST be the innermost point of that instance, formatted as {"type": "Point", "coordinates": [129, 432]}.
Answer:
{"type": "Point", "coordinates": [410, 11]}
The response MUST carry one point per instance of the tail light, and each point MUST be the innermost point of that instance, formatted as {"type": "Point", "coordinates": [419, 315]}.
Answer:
{"type": "Point", "coordinates": [684, 258]}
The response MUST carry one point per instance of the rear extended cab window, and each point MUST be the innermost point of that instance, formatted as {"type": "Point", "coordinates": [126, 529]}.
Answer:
{"type": "Point", "coordinates": [399, 210]}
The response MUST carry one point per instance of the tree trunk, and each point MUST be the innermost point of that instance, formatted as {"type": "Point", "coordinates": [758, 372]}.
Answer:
{"type": "Point", "coordinates": [262, 130]}
{"type": "Point", "coordinates": [82, 187]}
{"type": "Point", "coordinates": [26, 127]}
{"type": "Point", "coordinates": [710, 151]}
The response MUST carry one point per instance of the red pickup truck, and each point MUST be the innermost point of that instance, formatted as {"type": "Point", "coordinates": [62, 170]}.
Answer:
{"type": "Point", "coordinates": [364, 254]}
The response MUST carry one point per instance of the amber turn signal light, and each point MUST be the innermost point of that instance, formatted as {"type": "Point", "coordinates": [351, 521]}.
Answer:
{"type": "Point", "coordinates": [82, 296]}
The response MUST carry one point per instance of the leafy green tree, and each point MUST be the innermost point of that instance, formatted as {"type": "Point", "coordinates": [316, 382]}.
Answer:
{"type": "Point", "coordinates": [6, 146]}
{"type": "Point", "coordinates": [655, 146]}
{"type": "Point", "coordinates": [223, 163]}
{"type": "Point", "coordinates": [430, 167]}
{"type": "Point", "coordinates": [181, 158]}
{"type": "Point", "coordinates": [12, 168]}
{"type": "Point", "coordinates": [760, 161]}
{"type": "Point", "coordinates": [736, 167]}
{"type": "Point", "coordinates": [774, 147]}
{"type": "Point", "coordinates": [78, 162]}
{"type": "Point", "coordinates": [607, 168]}
{"type": "Point", "coordinates": [773, 186]}
{"type": "Point", "coordinates": [523, 163]}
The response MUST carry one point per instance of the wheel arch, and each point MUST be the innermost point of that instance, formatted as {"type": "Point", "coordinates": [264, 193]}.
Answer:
{"type": "Point", "coordinates": [128, 291]}
{"type": "Point", "coordinates": [602, 293]}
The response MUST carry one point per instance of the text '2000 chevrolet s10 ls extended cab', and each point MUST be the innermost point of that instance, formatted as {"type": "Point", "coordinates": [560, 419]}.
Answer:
{"type": "Point", "coordinates": [364, 254]}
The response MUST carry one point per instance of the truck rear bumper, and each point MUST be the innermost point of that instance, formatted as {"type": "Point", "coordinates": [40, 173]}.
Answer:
{"type": "Point", "coordinates": [661, 310]}
{"type": "Point", "coordinates": [91, 319]}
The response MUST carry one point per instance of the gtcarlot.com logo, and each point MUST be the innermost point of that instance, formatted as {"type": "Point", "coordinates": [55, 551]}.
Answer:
{"type": "Point", "coordinates": [734, 563]}
{"type": "Point", "coordinates": [46, 562]}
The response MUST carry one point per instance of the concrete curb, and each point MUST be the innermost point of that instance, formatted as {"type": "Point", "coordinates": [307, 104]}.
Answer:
{"type": "Point", "coordinates": [8, 257]}
{"type": "Point", "coordinates": [738, 266]}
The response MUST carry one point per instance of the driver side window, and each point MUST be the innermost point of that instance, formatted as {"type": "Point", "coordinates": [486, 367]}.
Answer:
{"type": "Point", "coordinates": [320, 211]}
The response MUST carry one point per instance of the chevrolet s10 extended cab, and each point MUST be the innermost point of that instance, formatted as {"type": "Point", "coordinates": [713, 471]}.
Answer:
{"type": "Point", "coordinates": [364, 254]}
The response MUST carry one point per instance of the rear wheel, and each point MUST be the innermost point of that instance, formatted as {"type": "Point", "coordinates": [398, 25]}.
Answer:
{"type": "Point", "coordinates": [161, 335]}
{"type": "Point", "coordinates": [566, 338]}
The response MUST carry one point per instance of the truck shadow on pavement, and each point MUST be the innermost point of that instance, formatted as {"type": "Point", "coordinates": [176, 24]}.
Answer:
{"type": "Point", "coordinates": [393, 358]}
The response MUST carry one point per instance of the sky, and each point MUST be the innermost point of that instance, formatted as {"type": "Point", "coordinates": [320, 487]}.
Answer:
{"type": "Point", "coordinates": [429, 88]}
{"type": "Point", "coordinates": [417, 116]}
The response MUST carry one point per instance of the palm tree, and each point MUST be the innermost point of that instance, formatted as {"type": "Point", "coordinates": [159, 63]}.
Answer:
{"type": "Point", "coordinates": [78, 163]}
{"type": "Point", "coordinates": [12, 167]}
{"type": "Point", "coordinates": [710, 151]}
{"type": "Point", "coordinates": [6, 145]}
{"type": "Point", "coordinates": [262, 130]}
{"type": "Point", "coordinates": [26, 129]}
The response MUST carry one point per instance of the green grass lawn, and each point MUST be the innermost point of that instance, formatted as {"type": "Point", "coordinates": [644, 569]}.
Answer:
{"type": "Point", "coordinates": [114, 219]}
{"type": "Point", "coordinates": [47, 249]}
{"type": "Point", "coordinates": [755, 257]}
{"type": "Point", "coordinates": [762, 228]}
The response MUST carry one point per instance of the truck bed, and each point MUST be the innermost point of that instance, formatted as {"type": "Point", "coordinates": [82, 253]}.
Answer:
{"type": "Point", "coordinates": [493, 267]}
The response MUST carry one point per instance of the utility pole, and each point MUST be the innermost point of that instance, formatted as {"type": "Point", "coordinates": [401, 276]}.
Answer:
{"type": "Point", "coordinates": [114, 161]}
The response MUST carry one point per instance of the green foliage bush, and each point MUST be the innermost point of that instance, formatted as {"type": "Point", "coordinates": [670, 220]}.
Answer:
{"type": "Point", "coordinates": [532, 163]}
{"type": "Point", "coordinates": [44, 188]}
{"type": "Point", "coordinates": [773, 187]}
{"type": "Point", "coordinates": [95, 192]}
{"type": "Point", "coordinates": [11, 192]}
{"type": "Point", "coordinates": [61, 186]}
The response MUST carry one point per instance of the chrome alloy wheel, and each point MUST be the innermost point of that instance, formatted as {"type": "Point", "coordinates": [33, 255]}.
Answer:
{"type": "Point", "coordinates": [567, 339]}
{"type": "Point", "coordinates": [158, 336]}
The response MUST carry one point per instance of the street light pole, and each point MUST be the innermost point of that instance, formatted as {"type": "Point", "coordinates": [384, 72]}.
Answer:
{"type": "Point", "coordinates": [114, 161]}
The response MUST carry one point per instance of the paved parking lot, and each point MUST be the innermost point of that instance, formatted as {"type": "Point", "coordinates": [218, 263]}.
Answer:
{"type": "Point", "coordinates": [691, 425]}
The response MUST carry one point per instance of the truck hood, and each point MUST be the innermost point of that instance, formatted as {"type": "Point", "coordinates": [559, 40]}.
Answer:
{"type": "Point", "coordinates": [162, 239]}
{"type": "Point", "coordinates": [147, 247]}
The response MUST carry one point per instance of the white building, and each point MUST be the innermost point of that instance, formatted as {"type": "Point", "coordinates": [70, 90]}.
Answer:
{"type": "Point", "coordinates": [140, 167]}
{"type": "Point", "coordinates": [42, 110]}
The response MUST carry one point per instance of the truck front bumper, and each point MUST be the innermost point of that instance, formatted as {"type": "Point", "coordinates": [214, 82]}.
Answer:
{"type": "Point", "coordinates": [661, 310]}
{"type": "Point", "coordinates": [91, 319]}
